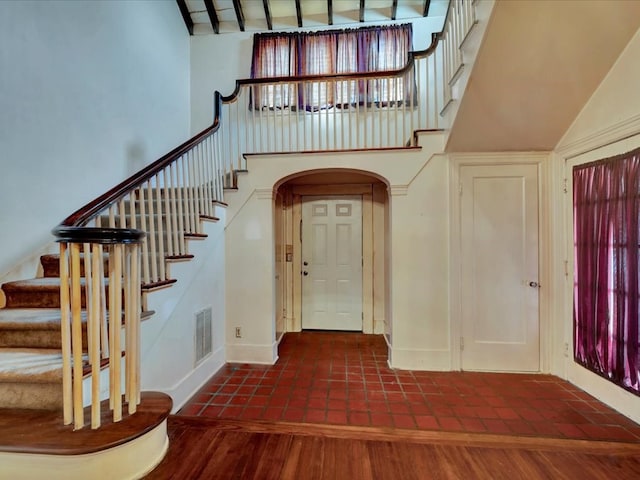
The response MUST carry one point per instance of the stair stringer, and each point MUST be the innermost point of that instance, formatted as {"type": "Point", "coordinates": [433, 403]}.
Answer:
{"type": "Point", "coordinates": [469, 48]}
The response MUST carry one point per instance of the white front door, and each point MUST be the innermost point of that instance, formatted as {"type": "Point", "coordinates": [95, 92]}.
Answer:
{"type": "Point", "coordinates": [332, 262]}
{"type": "Point", "coordinates": [499, 271]}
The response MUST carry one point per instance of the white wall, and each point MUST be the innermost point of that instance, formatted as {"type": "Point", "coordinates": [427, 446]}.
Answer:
{"type": "Point", "coordinates": [168, 357]}
{"type": "Point", "coordinates": [217, 61]}
{"type": "Point", "coordinates": [608, 124]}
{"type": "Point", "coordinates": [418, 215]}
{"type": "Point", "coordinates": [90, 91]}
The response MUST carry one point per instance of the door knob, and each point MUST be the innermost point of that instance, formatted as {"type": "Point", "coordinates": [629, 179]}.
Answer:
{"type": "Point", "coordinates": [305, 273]}
{"type": "Point", "coordinates": [534, 284]}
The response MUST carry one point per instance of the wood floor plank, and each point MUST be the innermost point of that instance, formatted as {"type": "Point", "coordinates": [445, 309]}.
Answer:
{"type": "Point", "coordinates": [237, 450]}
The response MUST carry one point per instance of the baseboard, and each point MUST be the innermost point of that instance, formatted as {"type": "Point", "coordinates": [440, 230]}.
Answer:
{"type": "Point", "coordinates": [246, 353]}
{"type": "Point", "coordinates": [418, 359]}
{"type": "Point", "coordinates": [607, 392]}
{"type": "Point", "coordinates": [378, 326]}
{"type": "Point", "coordinates": [182, 391]}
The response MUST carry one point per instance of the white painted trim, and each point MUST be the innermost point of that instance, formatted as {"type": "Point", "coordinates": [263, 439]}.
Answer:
{"type": "Point", "coordinates": [395, 190]}
{"type": "Point", "coordinates": [131, 460]}
{"type": "Point", "coordinates": [608, 392]}
{"type": "Point", "coordinates": [541, 159]}
{"type": "Point", "coordinates": [247, 353]}
{"type": "Point", "coordinates": [378, 325]}
{"type": "Point", "coordinates": [606, 136]}
{"type": "Point", "coordinates": [420, 359]}
{"type": "Point", "coordinates": [264, 193]}
{"type": "Point", "coordinates": [183, 390]}
{"type": "Point", "coordinates": [605, 391]}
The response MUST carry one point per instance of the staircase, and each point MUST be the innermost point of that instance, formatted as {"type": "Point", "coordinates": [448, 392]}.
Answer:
{"type": "Point", "coordinates": [59, 350]}
{"type": "Point", "coordinates": [31, 370]}
{"type": "Point", "coordinates": [30, 341]}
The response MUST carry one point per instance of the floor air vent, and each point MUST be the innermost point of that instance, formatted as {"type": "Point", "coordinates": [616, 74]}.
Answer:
{"type": "Point", "coordinates": [203, 339]}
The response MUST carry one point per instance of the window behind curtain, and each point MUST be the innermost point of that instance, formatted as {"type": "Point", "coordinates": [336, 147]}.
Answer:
{"type": "Point", "coordinates": [606, 200]}
{"type": "Point", "coordinates": [371, 49]}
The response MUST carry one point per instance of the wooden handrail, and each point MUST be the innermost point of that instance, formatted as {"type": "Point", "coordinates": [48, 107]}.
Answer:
{"type": "Point", "coordinates": [101, 236]}
{"type": "Point", "coordinates": [340, 76]}
{"type": "Point", "coordinates": [83, 215]}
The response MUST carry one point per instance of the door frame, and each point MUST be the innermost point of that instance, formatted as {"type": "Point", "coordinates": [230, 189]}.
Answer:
{"type": "Point", "coordinates": [366, 191]}
{"type": "Point", "coordinates": [542, 161]}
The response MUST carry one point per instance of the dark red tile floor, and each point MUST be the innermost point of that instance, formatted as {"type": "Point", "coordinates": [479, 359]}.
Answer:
{"type": "Point", "coordinates": [344, 379]}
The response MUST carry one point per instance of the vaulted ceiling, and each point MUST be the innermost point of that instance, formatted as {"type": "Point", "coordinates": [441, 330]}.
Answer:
{"type": "Point", "coordinates": [204, 17]}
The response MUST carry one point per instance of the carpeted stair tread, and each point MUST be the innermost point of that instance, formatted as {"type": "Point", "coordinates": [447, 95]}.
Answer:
{"type": "Point", "coordinates": [30, 365]}
{"type": "Point", "coordinates": [32, 319]}
{"type": "Point", "coordinates": [51, 264]}
{"type": "Point", "coordinates": [33, 327]}
{"type": "Point", "coordinates": [35, 293]}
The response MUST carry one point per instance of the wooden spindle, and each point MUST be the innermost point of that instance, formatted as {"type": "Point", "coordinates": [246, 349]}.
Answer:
{"type": "Point", "coordinates": [115, 313]}
{"type": "Point", "coordinates": [65, 330]}
{"type": "Point", "coordinates": [76, 336]}
{"type": "Point", "coordinates": [166, 218]}
{"type": "Point", "coordinates": [178, 239]}
{"type": "Point", "coordinates": [153, 250]}
{"type": "Point", "coordinates": [145, 241]}
{"type": "Point", "coordinates": [93, 330]}
{"type": "Point", "coordinates": [160, 229]}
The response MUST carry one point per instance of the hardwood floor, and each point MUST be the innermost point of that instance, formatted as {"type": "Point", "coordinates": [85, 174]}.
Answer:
{"type": "Point", "coordinates": [203, 448]}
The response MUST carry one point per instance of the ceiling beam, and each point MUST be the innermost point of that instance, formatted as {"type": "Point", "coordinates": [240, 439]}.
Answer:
{"type": "Point", "coordinates": [299, 13]}
{"type": "Point", "coordinates": [425, 10]}
{"type": "Point", "coordinates": [361, 10]}
{"type": "Point", "coordinates": [267, 14]}
{"type": "Point", "coordinates": [239, 15]}
{"type": "Point", "coordinates": [186, 16]}
{"type": "Point", "coordinates": [330, 12]}
{"type": "Point", "coordinates": [213, 16]}
{"type": "Point", "coordinates": [394, 9]}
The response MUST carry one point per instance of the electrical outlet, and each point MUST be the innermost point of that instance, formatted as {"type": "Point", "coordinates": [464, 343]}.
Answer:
{"type": "Point", "coordinates": [238, 332]}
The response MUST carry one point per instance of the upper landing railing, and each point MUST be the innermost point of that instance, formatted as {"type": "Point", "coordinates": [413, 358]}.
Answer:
{"type": "Point", "coordinates": [346, 111]}
{"type": "Point", "coordinates": [119, 243]}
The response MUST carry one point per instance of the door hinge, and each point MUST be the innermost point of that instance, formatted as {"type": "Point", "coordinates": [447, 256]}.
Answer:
{"type": "Point", "coordinates": [460, 188]}
{"type": "Point", "coordinates": [362, 316]}
{"type": "Point", "coordinates": [566, 268]}
{"type": "Point", "coordinates": [461, 344]}
{"type": "Point", "coordinates": [565, 187]}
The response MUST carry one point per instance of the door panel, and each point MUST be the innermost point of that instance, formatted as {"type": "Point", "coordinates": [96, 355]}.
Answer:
{"type": "Point", "coordinates": [499, 243]}
{"type": "Point", "coordinates": [332, 260]}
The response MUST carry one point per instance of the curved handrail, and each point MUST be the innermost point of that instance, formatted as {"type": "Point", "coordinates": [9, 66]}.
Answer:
{"type": "Point", "coordinates": [102, 236]}
{"type": "Point", "coordinates": [413, 55]}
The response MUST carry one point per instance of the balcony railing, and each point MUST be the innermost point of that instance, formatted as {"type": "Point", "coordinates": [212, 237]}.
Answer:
{"type": "Point", "coordinates": [347, 111]}
{"type": "Point", "coordinates": [118, 244]}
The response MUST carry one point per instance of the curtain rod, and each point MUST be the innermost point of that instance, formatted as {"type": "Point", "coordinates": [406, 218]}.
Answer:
{"type": "Point", "coordinates": [336, 30]}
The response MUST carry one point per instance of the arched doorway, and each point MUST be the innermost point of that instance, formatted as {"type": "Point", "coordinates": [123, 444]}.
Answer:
{"type": "Point", "coordinates": [341, 216]}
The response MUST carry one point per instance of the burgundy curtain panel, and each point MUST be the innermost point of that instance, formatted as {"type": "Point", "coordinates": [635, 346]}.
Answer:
{"type": "Point", "coordinates": [606, 203]}
{"type": "Point", "coordinates": [361, 50]}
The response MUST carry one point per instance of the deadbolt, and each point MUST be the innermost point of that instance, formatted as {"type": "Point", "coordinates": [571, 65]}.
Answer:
{"type": "Point", "coordinates": [305, 263]}
{"type": "Point", "coordinates": [534, 284]}
{"type": "Point", "coordinates": [305, 273]}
